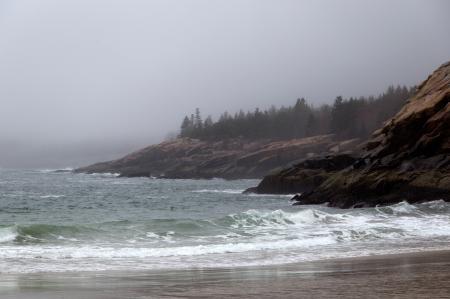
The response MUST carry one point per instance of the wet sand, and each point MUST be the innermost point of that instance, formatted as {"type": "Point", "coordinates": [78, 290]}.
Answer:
{"type": "Point", "coordinates": [416, 275]}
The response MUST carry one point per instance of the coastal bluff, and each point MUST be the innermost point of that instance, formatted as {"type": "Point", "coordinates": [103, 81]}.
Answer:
{"type": "Point", "coordinates": [236, 158]}
{"type": "Point", "coordinates": [407, 159]}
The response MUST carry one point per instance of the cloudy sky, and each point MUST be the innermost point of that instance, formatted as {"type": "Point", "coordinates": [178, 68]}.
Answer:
{"type": "Point", "coordinates": [82, 80]}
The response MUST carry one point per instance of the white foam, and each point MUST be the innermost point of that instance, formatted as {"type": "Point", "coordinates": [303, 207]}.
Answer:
{"type": "Point", "coordinates": [66, 169]}
{"type": "Point", "coordinates": [8, 234]}
{"type": "Point", "coordinates": [98, 259]}
{"type": "Point", "coordinates": [105, 174]}
{"type": "Point", "coordinates": [270, 195]}
{"type": "Point", "coordinates": [51, 196]}
{"type": "Point", "coordinates": [398, 222]}
{"type": "Point", "coordinates": [87, 251]}
{"type": "Point", "coordinates": [228, 191]}
{"type": "Point", "coordinates": [437, 205]}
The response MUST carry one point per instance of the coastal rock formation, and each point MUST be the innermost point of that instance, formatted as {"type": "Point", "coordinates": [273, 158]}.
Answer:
{"type": "Point", "coordinates": [303, 176]}
{"type": "Point", "coordinates": [229, 159]}
{"type": "Point", "coordinates": [407, 159]}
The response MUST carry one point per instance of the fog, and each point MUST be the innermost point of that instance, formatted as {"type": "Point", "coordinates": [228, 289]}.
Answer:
{"type": "Point", "coordinates": [89, 80]}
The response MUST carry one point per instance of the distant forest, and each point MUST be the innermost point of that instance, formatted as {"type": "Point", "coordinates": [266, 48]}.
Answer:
{"type": "Point", "coordinates": [346, 118]}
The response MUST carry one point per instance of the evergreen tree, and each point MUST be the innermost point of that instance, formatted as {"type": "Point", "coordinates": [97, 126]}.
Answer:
{"type": "Point", "coordinates": [208, 122]}
{"type": "Point", "coordinates": [185, 126]}
{"type": "Point", "coordinates": [311, 125]}
{"type": "Point", "coordinates": [198, 119]}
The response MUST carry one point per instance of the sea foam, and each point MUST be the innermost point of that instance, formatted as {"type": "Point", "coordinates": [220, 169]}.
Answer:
{"type": "Point", "coordinates": [8, 234]}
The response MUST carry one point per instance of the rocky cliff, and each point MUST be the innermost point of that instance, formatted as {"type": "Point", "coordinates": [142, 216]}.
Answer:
{"type": "Point", "coordinates": [407, 159]}
{"type": "Point", "coordinates": [229, 159]}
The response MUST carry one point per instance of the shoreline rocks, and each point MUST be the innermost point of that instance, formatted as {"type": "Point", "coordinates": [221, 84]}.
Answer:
{"type": "Point", "coordinates": [408, 159]}
{"type": "Point", "coordinates": [302, 177]}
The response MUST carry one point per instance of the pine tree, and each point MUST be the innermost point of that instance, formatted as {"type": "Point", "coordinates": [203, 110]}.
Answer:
{"type": "Point", "coordinates": [311, 126]}
{"type": "Point", "coordinates": [208, 122]}
{"type": "Point", "coordinates": [198, 124]}
{"type": "Point", "coordinates": [185, 126]}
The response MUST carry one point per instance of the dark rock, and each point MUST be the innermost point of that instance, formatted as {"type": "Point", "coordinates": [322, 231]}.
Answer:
{"type": "Point", "coordinates": [304, 176]}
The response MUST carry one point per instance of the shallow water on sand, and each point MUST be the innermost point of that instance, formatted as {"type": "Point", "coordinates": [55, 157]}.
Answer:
{"type": "Point", "coordinates": [417, 275]}
{"type": "Point", "coordinates": [59, 221]}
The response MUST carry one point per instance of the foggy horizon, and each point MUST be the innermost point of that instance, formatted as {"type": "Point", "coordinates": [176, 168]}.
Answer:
{"type": "Point", "coordinates": [87, 81]}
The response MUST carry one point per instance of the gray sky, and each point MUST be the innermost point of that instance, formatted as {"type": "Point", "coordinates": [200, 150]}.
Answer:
{"type": "Point", "coordinates": [87, 80]}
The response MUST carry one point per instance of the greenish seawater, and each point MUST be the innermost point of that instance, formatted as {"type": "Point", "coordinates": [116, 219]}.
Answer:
{"type": "Point", "coordinates": [60, 221]}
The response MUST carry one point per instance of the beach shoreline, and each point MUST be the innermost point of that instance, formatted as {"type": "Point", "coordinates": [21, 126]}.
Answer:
{"type": "Point", "coordinates": [406, 275]}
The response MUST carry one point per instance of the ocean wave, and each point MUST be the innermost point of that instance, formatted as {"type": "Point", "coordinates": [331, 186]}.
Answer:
{"type": "Point", "coordinates": [399, 209]}
{"type": "Point", "coordinates": [57, 170]}
{"type": "Point", "coordinates": [280, 218]}
{"type": "Point", "coordinates": [8, 234]}
{"type": "Point", "coordinates": [227, 191]}
{"type": "Point", "coordinates": [240, 191]}
{"type": "Point", "coordinates": [436, 206]}
{"type": "Point", "coordinates": [52, 196]}
{"type": "Point", "coordinates": [270, 195]}
{"type": "Point", "coordinates": [104, 174]}
{"type": "Point", "coordinates": [35, 261]}
{"type": "Point", "coordinates": [398, 221]}
{"type": "Point", "coordinates": [42, 233]}
{"type": "Point", "coordinates": [89, 251]}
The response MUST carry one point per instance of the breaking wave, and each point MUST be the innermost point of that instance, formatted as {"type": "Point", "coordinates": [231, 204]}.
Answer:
{"type": "Point", "coordinates": [227, 191]}
{"type": "Point", "coordinates": [105, 174]}
{"type": "Point", "coordinates": [57, 170]}
{"type": "Point", "coordinates": [398, 221]}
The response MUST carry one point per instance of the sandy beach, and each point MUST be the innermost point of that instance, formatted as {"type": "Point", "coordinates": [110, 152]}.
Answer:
{"type": "Point", "coordinates": [412, 275]}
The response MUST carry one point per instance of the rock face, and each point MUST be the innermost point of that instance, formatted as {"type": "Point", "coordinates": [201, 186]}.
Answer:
{"type": "Point", "coordinates": [407, 159]}
{"type": "Point", "coordinates": [229, 159]}
{"type": "Point", "coordinates": [303, 176]}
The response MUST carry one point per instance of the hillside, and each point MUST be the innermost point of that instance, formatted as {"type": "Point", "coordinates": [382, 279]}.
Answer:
{"type": "Point", "coordinates": [229, 159]}
{"type": "Point", "coordinates": [408, 158]}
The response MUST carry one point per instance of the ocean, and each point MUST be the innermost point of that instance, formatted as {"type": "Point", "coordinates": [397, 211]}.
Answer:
{"type": "Point", "coordinates": [58, 221]}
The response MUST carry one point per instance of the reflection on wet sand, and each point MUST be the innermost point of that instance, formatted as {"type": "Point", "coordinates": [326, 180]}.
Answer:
{"type": "Point", "coordinates": [418, 275]}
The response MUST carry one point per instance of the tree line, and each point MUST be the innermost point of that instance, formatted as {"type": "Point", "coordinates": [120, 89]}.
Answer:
{"type": "Point", "coordinates": [346, 118]}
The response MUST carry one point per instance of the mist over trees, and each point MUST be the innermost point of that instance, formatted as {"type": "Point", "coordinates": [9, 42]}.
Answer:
{"type": "Point", "coordinates": [346, 118]}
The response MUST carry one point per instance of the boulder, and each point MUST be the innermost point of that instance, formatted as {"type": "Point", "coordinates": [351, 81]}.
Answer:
{"type": "Point", "coordinates": [303, 177]}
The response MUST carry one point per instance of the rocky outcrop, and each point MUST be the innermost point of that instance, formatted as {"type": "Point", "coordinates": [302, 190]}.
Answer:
{"type": "Point", "coordinates": [304, 176]}
{"type": "Point", "coordinates": [229, 159]}
{"type": "Point", "coordinates": [407, 159]}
